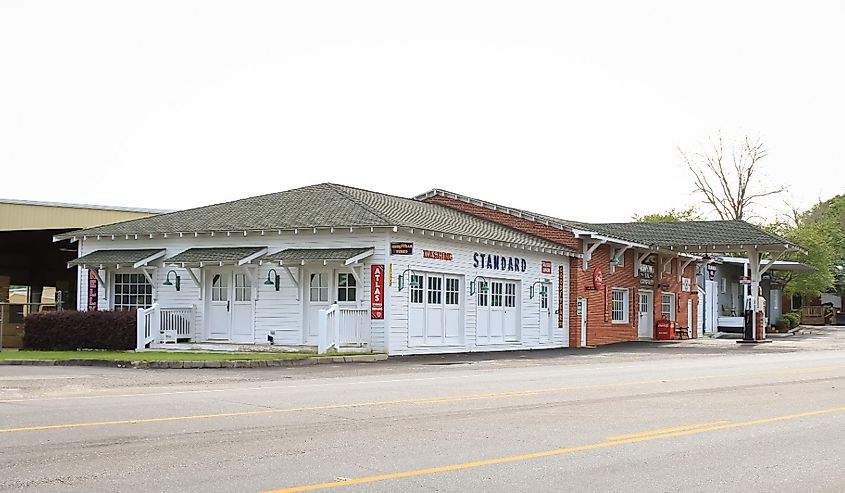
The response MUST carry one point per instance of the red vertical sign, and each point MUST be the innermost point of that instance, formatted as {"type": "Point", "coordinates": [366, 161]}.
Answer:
{"type": "Point", "coordinates": [93, 291]}
{"type": "Point", "coordinates": [377, 292]}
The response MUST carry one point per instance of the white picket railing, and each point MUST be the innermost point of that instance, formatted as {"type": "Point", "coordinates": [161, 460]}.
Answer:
{"type": "Point", "coordinates": [157, 324]}
{"type": "Point", "coordinates": [149, 326]}
{"type": "Point", "coordinates": [177, 323]}
{"type": "Point", "coordinates": [354, 324]}
{"type": "Point", "coordinates": [342, 326]}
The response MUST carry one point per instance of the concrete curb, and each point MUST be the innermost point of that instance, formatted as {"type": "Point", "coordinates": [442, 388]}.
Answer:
{"type": "Point", "coordinates": [235, 363]}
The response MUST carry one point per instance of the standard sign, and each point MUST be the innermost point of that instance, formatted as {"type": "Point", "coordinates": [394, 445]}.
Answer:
{"type": "Point", "coordinates": [498, 262]}
{"type": "Point", "coordinates": [377, 292]}
{"type": "Point", "coordinates": [401, 248]}
{"type": "Point", "coordinates": [546, 266]}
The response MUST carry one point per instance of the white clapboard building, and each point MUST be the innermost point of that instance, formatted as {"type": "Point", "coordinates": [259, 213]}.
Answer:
{"type": "Point", "coordinates": [328, 267]}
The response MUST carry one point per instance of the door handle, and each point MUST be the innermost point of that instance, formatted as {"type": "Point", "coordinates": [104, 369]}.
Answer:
{"type": "Point", "coordinates": [227, 305]}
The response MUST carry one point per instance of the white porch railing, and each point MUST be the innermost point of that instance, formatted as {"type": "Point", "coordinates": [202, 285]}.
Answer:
{"type": "Point", "coordinates": [149, 326]}
{"type": "Point", "coordinates": [157, 324]}
{"type": "Point", "coordinates": [342, 326]}
{"type": "Point", "coordinates": [177, 323]}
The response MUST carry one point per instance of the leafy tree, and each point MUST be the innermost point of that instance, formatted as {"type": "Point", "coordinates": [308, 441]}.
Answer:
{"type": "Point", "coordinates": [821, 231]}
{"type": "Point", "coordinates": [671, 216]}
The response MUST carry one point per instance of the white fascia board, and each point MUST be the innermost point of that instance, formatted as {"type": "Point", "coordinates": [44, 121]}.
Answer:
{"type": "Point", "coordinates": [250, 258]}
{"type": "Point", "coordinates": [149, 259]}
{"type": "Point", "coordinates": [360, 256]}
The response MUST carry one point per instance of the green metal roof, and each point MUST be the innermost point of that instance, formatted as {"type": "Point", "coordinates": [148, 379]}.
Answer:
{"type": "Point", "coordinates": [110, 258]}
{"type": "Point", "coordinates": [213, 255]}
{"type": "Point", "coordinates": [316, 254]}
{"type": "Point", "coordinates": [325, 205]}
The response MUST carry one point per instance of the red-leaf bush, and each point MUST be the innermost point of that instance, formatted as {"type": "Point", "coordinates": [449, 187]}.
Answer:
{"type": "Point", "coordinates": [71, 330]}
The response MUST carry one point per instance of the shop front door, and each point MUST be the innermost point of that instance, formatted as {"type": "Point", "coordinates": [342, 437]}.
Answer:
{"type": "Point", "coordinates": [546, 327]}
{"type": "Point", "coordinates": [646, 317]}
{"type": "Point", "coordinates": [317, 298]}
{"type": "Point", "coordinates": [219, 304]}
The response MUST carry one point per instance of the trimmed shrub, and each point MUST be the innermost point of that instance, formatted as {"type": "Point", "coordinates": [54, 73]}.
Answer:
{"type": "Point", "coordinates": [792, 319]}
{"type": "Point", "coordinates": [71, 330]}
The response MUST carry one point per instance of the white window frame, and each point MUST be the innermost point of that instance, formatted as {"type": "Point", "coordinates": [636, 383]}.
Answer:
{"type": "Point", "coordinates": [672, 311]}
{"type": "Point", "coordinates": [350, 286]}
{"type": "Point", "coordinates": [130, 306]}
{"type": "Point", "coordinates": [625, 308]}
{"type": "Point", "coordinates": [242, 287]}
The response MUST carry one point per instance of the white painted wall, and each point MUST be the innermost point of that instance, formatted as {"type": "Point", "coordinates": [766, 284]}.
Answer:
{"type": "Point", "coordinates": [462, 264]}
{"type": "Point", "coordinates": [282, 311]}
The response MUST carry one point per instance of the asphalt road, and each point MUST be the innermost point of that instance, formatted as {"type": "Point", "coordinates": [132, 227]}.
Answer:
{"type": "Point", "coordinates": [694, 416]}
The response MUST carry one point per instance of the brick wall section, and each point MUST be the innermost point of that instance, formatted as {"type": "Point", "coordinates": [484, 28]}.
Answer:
{"type": "Point", "coordinates": [600, 330]}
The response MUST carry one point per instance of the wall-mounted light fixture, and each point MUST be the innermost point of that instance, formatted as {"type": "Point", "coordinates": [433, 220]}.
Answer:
{"type": "Point", "coordinates": [531, 288]}
{"type": "Point", "coordinates": [482, 288]}
{"type": "Point", "coordinates": [270, 280]}
{"type": "Point", "coordinates": [413, 282]}
{"type": "Point", "coordinates": [178, 280]}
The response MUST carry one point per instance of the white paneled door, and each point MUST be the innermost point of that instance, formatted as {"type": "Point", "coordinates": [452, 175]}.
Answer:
{"type": "Point", "coordinates": [230, 306]}
{"type": "Point", "coordinates": [646, 314]}
{"type": "Point", "coordinates": [546, 321]}
{"type": "Point", "coordinates": [497, 307]}
{"type": "Point", "coordinates": [435, 316]}
{"type": "Point", "coordinates": [219, 304]}
{"type": "Point", "coordinates": [317, 298]}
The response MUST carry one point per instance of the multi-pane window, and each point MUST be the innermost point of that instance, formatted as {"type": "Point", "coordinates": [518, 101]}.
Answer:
{"type": "Point", "coordinates": [483, 295]}
{"type": "Point", "coordinates": [619, 305]}
{"type": "Point", "coordinates": [346, 287]}
{"type": "Point", "coordinates": [452, 291]}
{"type": "Point", "coordinates": [644, 308]}
{"type": "Point", "coordinates": [243, 291]}
{"type": "Point", "coordinates": [219, 288]}
{"type": "Point", "coordinates": [544, 296]}
{"type": "Point", "coordinates": [435, 290]}
{"type": "Point", "coordinates": [416, 289]}
{"type": "Point", "coordinates": [510, 295]}
{"type": "Point", "coordinates": [496, 294]}
{"type": "Point", "coordinates": [667, 306]}
{"type": "Point", "coordinates": [319, 286]}
{"type": "Point", "coordinates": [132, 291]}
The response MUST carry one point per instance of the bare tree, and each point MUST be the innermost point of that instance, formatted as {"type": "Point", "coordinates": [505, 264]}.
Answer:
{"type": "Point", "coordinates": [728, 177]}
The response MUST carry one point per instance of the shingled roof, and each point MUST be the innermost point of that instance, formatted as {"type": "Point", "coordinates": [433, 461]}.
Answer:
{"type": "Point", "coordinates": [693, 235]}
{"type": "Point", "coordinates": [321, 206]}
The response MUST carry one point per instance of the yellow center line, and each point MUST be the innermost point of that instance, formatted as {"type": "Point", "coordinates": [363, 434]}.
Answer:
{"type": "Point", "coordinates": [418, 401]}
{"type": "Point", "coordinates": [552, 453]}
{"type": "Point", "coordinates": [666, 430]}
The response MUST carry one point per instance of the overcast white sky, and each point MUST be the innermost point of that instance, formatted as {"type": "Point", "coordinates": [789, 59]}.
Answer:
{"type": "Point", "coordinates": [573, 109]}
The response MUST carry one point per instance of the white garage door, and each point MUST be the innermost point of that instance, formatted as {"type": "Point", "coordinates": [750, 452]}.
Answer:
{"type": "Point", "coordinates": [435, 316]}
{"type": "Point", "coordinates": [498, 315]}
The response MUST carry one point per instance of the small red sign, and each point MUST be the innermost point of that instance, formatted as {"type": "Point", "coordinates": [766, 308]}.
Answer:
{"type": "Point", "coordinates": [437, 255]}
{"type": "Point", "coordinates": [598, 279]}
{"type": "Point", "coordinates": [377, 292]}
{"type": "Point", "coordinates": [546, 266]}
